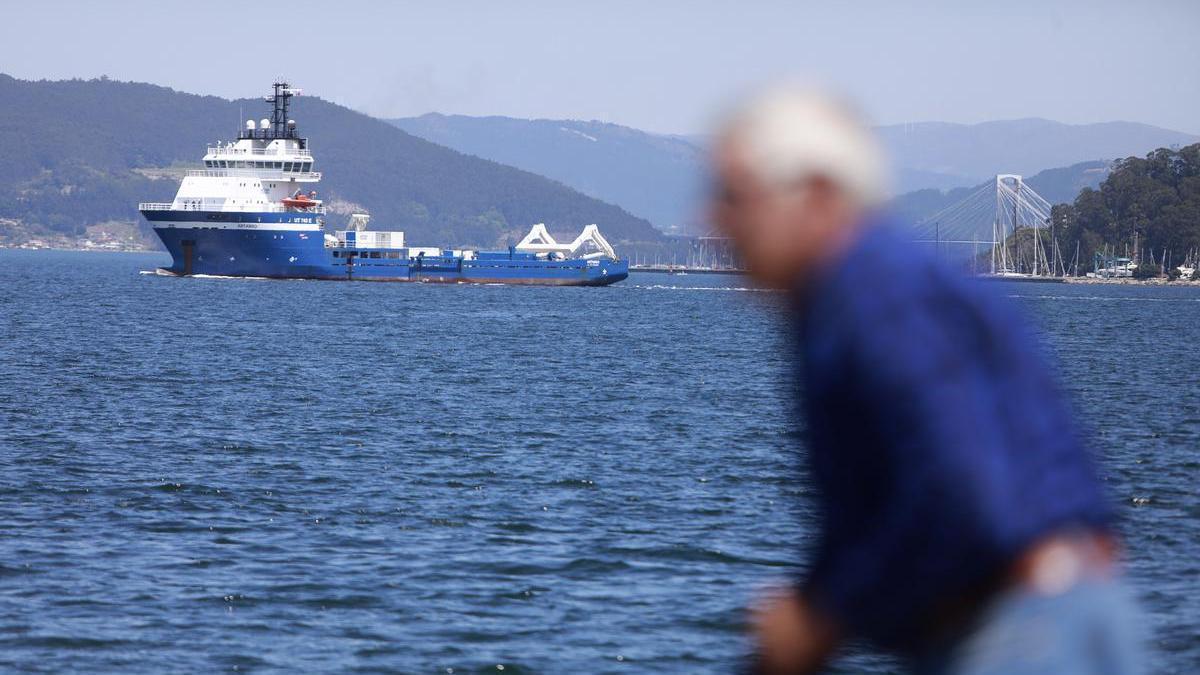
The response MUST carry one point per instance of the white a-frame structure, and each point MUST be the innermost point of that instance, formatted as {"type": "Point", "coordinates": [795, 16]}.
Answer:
{"type": "Point", "coordinates": [539, 241]}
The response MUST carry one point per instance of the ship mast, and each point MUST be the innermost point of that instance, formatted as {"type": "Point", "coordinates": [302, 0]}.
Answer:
{"type": "Point", "coordinates": [281, 126]}
{"type": "Point", "coordinates": [279, 110]}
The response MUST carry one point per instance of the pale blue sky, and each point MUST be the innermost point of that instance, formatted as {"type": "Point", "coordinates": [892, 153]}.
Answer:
{"type": "Point", "coordinates": [661, 66]}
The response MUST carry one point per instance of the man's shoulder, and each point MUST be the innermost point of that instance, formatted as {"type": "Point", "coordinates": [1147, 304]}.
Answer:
{"type": "Point", "coordinates": [883, 266]}
{"type": "Point", "coordinates": [887, 281]}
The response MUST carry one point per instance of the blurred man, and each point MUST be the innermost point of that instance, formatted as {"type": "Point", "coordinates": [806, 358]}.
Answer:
{"type": "Point", "coordinates": [963, 526]}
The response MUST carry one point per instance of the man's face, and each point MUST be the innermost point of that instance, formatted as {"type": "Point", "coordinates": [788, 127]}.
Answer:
{"type": "Point", "coordinates": [781, 232]}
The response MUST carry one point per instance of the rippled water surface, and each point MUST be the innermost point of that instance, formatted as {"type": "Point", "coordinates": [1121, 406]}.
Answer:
{"type": "Point", "coordinates": [211, 474]}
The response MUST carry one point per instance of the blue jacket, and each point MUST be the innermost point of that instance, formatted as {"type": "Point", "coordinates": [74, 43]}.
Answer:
{"type": "Point", "coordinates": [938, 439]}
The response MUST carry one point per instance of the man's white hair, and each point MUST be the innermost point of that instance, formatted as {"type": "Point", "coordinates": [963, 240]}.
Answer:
{"type": "Point", "coordinates": [790, 133]}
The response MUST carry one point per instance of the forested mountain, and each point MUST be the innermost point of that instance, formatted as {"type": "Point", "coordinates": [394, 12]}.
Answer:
{"type": "Point", "coordinates": [73, 153]}
{"type": "Point", "coordinates": [652, 176]}
{"type": "Point", "coordinates": [1154, 201]}
{"type": "Point", "coordinates": [78, 152]}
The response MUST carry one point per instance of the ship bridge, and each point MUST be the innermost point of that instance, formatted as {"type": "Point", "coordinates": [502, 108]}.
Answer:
{"type": "Point", "coordinates": [277, 161]}
{"type": "Point", "coordinates": [271, 148]}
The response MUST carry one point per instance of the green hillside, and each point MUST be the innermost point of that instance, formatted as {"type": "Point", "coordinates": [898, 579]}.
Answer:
{"type": "Point", "coordinates": [1152, 200]}
{"type": "Point", "coordinates": [80, 152]}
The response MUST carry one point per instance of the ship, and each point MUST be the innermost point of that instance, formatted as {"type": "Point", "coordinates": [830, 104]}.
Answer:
{"type": "Point", "coordinates": [254, 211]}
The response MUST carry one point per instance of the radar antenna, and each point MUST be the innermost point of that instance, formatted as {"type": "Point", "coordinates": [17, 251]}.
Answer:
{"type": "Point", "coordinates": [279, 126]}
{"type": "Point", "coordinates": [279, 100]}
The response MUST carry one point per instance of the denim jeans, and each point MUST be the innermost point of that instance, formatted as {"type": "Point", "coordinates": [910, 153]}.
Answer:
{"type": "Point", "coordinates": [1093, 627]}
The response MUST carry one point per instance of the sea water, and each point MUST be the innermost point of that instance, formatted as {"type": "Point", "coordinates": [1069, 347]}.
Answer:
{"type": "Point", "coordinates": [222, 474]}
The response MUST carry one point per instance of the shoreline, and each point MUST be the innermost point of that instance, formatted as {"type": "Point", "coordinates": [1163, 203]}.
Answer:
{"type": "Point", "coordinates": [1086, 281]}
{"type": "Point", "coordinates": [80, 249]}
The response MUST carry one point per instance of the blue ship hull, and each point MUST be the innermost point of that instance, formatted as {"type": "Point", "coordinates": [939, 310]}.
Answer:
{"type": "Point", "coordinates": [302, 254]}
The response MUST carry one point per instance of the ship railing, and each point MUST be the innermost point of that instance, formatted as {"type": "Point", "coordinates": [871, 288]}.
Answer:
{"type": "Point", "coordinates": [268, 152]}
{"type": "Point", "coordinates": [268, 174]}
{"type": "Point", "coordinates": [256, 208]}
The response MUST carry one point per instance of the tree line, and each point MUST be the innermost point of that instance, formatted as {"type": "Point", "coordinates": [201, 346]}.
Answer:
{"type": "Point", "coordinates": [1148, 207]}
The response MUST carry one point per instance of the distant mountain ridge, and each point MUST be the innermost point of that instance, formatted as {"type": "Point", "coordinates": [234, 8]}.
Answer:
{"type": "Point", "coordinates": [663, 177]}
{"type": "Point", "coordinates": [653, 176]}
{"type": "Point", "coordinates": [78, 152]}
{"type": "Point", "coordinates": [75, 153]}
{"type": "Point", "coordinates": [944, 155]}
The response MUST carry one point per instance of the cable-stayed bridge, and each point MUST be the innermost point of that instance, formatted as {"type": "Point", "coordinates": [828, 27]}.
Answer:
{"type": "Point", "coordinates": [986, 218]}
{"type": "Point", "coordinates": [982, 221]}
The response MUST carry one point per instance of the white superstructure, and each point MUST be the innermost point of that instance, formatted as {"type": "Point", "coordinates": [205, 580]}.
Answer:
{"type": "Point", "coordinates": [264, 180]}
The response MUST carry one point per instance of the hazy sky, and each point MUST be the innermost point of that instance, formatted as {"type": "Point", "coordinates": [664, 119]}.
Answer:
{"type": "Point", "coordinates": [661, 66]}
